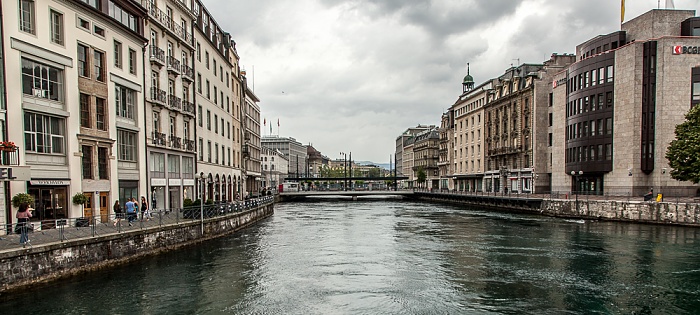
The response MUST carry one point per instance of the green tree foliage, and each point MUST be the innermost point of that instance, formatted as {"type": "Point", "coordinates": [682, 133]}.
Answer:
{"type": "Point", "coordinates": [421, 176]}
{"type": "Point", "coordinates": [683, 154]}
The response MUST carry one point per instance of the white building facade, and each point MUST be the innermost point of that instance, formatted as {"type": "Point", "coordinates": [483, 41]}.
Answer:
{"type": "Point", "coordinates": [75, 86]}
{"type": "Point", "coordinates": [170, 102]}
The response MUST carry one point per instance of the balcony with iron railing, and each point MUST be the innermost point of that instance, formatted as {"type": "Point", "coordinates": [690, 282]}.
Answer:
{"type": "Point", "coordinates": [158, 138]}
{"type": "Point", "coordinates": [9, 154]}
{"type": "Point", "coordinates": [174, 102]}
{"type": "Point", "coordinates": [190, 145]}
{"type": "Point", "coordinates": [158, 96]}
{"type": "Point", "coordinates": [157, 56]}
{"type": "Point", "coordinates": [167, 22]}
{"type": "Point", "coordinates": [175, 142]}
{"type": "Point", "coordinates": [187, 72]}
{"type": "Point", "coordinates": [188, 108]}
{"type": "Point", "coordinates": [173, 65]}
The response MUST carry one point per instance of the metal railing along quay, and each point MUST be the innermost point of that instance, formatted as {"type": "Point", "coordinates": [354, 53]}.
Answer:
{"type": "Point", "coordinates": [563, 195]}
{"type": "Point", "coordinates": [69, 229]}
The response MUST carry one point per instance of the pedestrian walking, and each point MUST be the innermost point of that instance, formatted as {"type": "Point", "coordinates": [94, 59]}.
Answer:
{"type": "Point", "coordinates": [130, 210]}
{"type": "Point", "coordinates": [118, 213]}
{"type": "Point", "coordinates": [23, 215]}
{"type": "Point", "coordinates": [145, 213]}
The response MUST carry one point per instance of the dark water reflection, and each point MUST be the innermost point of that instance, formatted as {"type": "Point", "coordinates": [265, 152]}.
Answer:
{"type": "Point", "coordinates": [393, 257]}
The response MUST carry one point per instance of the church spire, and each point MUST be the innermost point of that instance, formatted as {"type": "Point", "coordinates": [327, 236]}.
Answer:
{"type": "Point", "coordinates": [468, 82]}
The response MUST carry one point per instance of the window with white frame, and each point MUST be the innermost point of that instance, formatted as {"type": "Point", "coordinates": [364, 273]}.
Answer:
{"type": "Point", "coordinates": [44, 134]}
{"type": "Point", "coordinates": [157, 165]}
{"type": "Point", "coordinates": [126, 144]}
{"type": "Point", "coordinates": [125, 101]}
{"type": "Point", "coordinates": [26, 16]}
{"type": "Point", "coordinates": [56, 27]}
{"type": "Point", "coordinates": [118, 54]}
{"type": "Point", "coordinates": [173, 166]}
{"type": "Point", "coordinates": [42, 80]}
{"type": "Point", "coordinates": [187, 167]}
{"type": "Point", "coordinates": [83, 62]}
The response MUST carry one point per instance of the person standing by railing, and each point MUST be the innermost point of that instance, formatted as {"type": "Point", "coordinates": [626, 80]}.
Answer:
{"type": "Point", "coordinates": [145, 214]}
{"type": "Point", "coordinates": [23, 215]}
{"type": "Point", "coordinates": [118, 212]}
{"type": "Point", "coordinates": [130, 210]}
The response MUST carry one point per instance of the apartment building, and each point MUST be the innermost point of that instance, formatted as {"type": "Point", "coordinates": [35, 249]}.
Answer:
{"type": "Point", "coordinates": [402, 168]}
{"type": "Point", "coordinates": [425, 158]}
{"type": "Point", "coordinates": [444, 163]}
{"type": "Point", "coordinates": [250, 120]}
{"type": "Point", "coordinates": [314, 162]}
{"type": "Point", "coordinates": [295, 152]}
{"type": "Point", "coordinates": [74, 89]}
{"type": "Point", "coordinates": [467, 141]}
{"type": "Point", "coordinates": [274, 167]}
{"type": "Point", "coordinates": [170, 101]}
{"type": "Point", "coordinates": [216, 136]}
{"type": "Point", "coordinates": [236, 115]}
{"type": "Point", "coordinates": [407, 162]}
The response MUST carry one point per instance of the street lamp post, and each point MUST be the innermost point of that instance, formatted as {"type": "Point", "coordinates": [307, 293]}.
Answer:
{"type": "Point", "coordinates": [663, 181]}
{"type": "Point", "coordinates": [201, 201]}
{"type": "Point", "coordinates": [345, 171]}
{"type": "Point", "coordinates": [576, 176]}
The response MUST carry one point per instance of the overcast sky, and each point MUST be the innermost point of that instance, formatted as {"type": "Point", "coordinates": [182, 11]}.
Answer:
{"type": "Point", "coordinates": [352, 75]}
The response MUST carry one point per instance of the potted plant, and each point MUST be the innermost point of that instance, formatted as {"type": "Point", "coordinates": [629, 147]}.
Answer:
{"type": "Point", "coordinates": [80, 199]}
{"type": "Point", "coordinates": [21, 198]}
{"type": "Point", "coordinates": [8, 146]}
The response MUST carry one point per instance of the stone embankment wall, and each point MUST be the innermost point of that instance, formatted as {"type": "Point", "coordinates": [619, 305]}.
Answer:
{"type": "Point", "coordinates": [635, 211]}
{"type": "Point", "coordinates": [29, 266]}
{"type": "Point", "coordinates": [632, 211]}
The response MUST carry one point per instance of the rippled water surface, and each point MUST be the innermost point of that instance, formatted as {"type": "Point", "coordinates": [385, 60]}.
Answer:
{"type": "Point", "coordinates": [396, 257]}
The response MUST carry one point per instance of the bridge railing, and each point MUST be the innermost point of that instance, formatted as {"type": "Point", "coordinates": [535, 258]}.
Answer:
{"type": "Point", "coordinates": [660, 195]}
{"type": "Point", "coordinates": [61, 230]}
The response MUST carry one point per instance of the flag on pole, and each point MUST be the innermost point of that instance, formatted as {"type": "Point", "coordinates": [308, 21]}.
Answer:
{"type": "Point", "coordinates": [264, 121]}
{"type": "Point", "coordinates": [622, 11]}
{"type": "Point", "coordinates": [270, 129]}
{"type": "Point", "coordinates": [670, 4]}
{"type": "Point", "coordinates": [278, 122]}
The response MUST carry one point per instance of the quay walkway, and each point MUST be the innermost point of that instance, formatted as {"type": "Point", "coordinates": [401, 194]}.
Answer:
{"type": "Point", "coordinates": [71, 229]}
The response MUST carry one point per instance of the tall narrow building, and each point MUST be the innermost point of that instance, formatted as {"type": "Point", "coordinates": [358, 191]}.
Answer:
{"type": "Point", "coordinates": [251, 139]}
{"type": "Point", "coordinates": [215, 109]}
{"type": "Point", "coordinates": [170, 108]}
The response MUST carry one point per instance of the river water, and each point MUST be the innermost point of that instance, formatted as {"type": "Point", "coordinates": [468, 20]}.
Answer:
{"type": "Point", "coordinates": [398, 257]}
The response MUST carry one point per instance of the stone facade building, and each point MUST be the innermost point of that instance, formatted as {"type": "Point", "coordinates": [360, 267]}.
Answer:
{"type": "Point", "coordinates": [402, 154]}
{"type": "Point", "coordinates": [624, 96]}
{"type": "Point", "coordinates": [425, 158]}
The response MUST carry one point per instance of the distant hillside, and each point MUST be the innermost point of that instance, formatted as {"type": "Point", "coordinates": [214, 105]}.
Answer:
{"type": "Point", "coordinates": [381, 165]}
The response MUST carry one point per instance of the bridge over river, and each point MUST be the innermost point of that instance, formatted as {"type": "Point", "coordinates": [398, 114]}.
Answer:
{"type": "Point", "coordinates": [290, 195]}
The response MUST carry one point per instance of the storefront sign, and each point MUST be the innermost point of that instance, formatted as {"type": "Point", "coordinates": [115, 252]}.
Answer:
{"type": "Point", "coordinates": [681, 50]}
{"type": "Point", "coordinates": [50, 182]}
{"type": "Point", "coordinates": [20, 173]}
